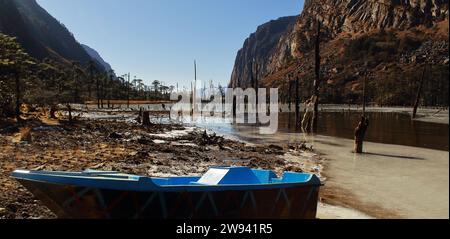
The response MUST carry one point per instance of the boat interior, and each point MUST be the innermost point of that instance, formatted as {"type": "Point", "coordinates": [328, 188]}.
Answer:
{"type": "Point", "coordinates": [215, 176]}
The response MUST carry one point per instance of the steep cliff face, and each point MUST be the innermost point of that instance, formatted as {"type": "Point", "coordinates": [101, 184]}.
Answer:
{"type": "Point", "coordinates": [362, 16]}
{"type": "Point", "coordinates": [50, 32]}
{"type": "Point", "coordinates": [260, 47]}
{"type": "Point", "coordinates": [39, 33]}
{"type": "Point", "coordinates": [381, 34]}
{"type": "Point", "coordinates": [13, 24]}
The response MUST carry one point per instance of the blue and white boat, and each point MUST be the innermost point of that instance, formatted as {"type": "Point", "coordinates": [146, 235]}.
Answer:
{"type": "Point", "coordinates": [221, 193]}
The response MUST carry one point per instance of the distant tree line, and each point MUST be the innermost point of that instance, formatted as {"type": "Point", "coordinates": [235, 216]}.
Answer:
{"type": "Point", "coordinates": [49, 82]}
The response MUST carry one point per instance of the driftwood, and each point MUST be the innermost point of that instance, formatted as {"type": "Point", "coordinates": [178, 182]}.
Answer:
{"type": "Point", "coordinates": [207, 139]}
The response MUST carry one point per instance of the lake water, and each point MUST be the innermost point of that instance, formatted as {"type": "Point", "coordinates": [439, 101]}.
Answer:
{"type": "Point", "coordinates": [410, 156]}
{"type": "Point", "coordinates": [385, 127]}
{"type": "Point", "coordinates": [414, 179]}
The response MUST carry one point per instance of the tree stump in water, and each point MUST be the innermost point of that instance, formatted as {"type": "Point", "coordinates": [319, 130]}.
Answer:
{"type": "Point", "coordinates": [139, 117]}
{"type": "Point", "coordinates": [69, 108]}
{"type": "Point", "coordinates": [53, 110]}
{"type": "Point", "coordinates": [146, 118]}
{"type": "Point", "coordinates": [360, 133]}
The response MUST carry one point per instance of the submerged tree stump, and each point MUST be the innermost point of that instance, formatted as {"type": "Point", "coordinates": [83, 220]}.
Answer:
{"type": "Point", "coordinates": [69, 108]}
{"type": "Point", "coordinates": [53, 110]}
{"type": "Point", "coordinates": [360, 133]}
{"type": "Point", "coordinates": [146, 118]}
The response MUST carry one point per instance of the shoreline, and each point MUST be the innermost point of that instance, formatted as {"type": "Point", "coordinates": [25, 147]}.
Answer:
{"type": "Point", "coordinates": [160, 150]}
{"type": "Point", "coordinates": [438, 115]}
{"type": "Point", "coordinates": [394, 152]}
{"type": "Point", "coordinates": [328, 161]}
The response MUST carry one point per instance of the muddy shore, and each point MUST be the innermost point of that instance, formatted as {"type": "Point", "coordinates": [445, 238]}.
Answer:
{"type": "Point", "coordinates": [123, 145]}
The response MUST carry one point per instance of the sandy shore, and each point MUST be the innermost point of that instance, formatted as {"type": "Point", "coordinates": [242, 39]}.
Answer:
{"type": "Point", "coordinates": [327, 211]}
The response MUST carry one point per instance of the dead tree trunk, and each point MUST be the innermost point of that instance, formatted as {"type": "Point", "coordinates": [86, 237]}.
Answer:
{"type": "Point", "coordinates": [69, 108]}
{"type": "Point", "coordinates": [146, 118]}
{"type": "Point", "coordinates": [109, 89]}
{"type": "Point", "coordinates": [17, 79]}
{"type": "Point", "coordinates": [109, 100]}
{"type": "Point", "coordinates": [53, 110]}
{"type": "Point", "coordinates": [223, 104]}
{"type": "Point", "coordinates": [256, 90]}
{"type": "Point", "coordinates": [363, 125]}
{"type": "Point", "coordinates": [98, 92]}
{"type": "Point", "coordinates": [364, 95]}
{"type": "Point", "coordinates": [128, 92]}
{"type": "Point", "coordinates": [317, 81]}
{"type": "Point", "coordinates": [139, 118]}
{"type": "Point", "coordinates": [419, 93]}
{"type": "Point", "coordinates": [194, 90]}
{"type": "Point", "coordinates": [191, 101]}
{"type": "Point", "coordinates": [297, 103]}
{"type": "Point", "coordinates": [289, 102]}
{"type": "Point", "coordinates": [360, 133]}
{"type": "Point", "coordinates": [104, 90]}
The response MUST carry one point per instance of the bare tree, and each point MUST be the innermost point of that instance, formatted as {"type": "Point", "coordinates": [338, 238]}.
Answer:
{"type": "Point", "coordinates": [297, 102]}
{"type": "Point", "coordinates": [317, 80]}
{"type": "Point", "coordinates": [419, 92]}
{"type": "Point", "coordinates": [363, 125]}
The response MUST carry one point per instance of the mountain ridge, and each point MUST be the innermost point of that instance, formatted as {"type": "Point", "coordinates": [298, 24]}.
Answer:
{"type": "Point", "coordinates": [97, 57]}
{"type": "Point", "coordinates": [267, 36]}
{"type": "Point", "coordinates": [391, 37]}
{"type": "Point", "coordinates": [42, 35]}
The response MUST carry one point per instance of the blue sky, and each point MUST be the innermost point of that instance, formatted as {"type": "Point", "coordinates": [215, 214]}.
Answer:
{"type": "Point", "coordinates": [159, 39]}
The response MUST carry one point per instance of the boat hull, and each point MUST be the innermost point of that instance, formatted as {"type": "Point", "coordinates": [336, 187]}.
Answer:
{"type": "Point", "coordinates": [68, 201]}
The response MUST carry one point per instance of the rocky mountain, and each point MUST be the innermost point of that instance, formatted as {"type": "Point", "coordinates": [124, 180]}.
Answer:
{"type": "Point", "coordinates": [96, 56]}
{"type": "Point", "coordinates": [13, 24]}
{"type": "Point", "coordinates": [39, 33]}
{"type": "Point", "coordinates": [259, 48]}
{"type": "Point", "coordinates": [378, 38]}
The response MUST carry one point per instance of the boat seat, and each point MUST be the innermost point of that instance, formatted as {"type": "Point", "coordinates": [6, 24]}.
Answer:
{"type": "Point", "coordinates": [228, 176]}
